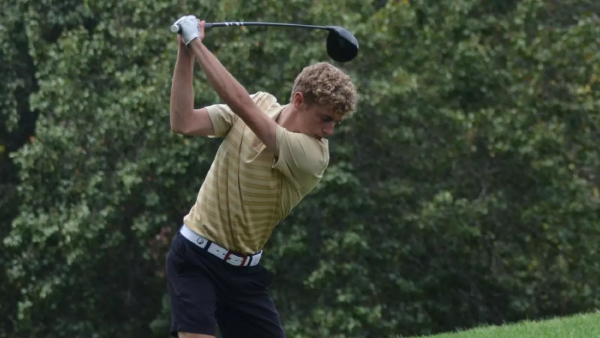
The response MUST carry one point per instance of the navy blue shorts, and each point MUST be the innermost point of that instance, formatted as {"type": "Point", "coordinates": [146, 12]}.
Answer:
{"type": "Point", "coordinates": [206, 291]}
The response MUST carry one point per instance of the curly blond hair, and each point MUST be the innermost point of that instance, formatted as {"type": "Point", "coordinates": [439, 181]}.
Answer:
{"type": "Point", "coordinates": [327, 86]}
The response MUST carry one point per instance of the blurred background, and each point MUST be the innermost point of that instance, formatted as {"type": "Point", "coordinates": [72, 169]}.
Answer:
{"type": "Point", "coordinates": [465, 191]}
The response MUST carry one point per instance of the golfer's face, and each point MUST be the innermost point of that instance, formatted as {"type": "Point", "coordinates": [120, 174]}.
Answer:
{"type": "Point", "coordinates": [323, 122]}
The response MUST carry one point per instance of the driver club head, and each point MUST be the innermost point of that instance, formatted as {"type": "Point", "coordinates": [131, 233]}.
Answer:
{"type": "Point", "coordinates": [342, 46]}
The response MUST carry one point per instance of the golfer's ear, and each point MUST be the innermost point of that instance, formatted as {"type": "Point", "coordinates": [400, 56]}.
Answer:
{"type": "Point", "coordinates": [298, 99]}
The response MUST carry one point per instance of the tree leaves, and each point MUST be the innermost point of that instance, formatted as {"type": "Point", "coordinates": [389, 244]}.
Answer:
{"type": "Point", "coordinates": [464, 190]}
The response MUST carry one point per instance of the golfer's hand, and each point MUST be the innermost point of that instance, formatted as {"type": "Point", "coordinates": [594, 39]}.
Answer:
{"type": "Point", "coordinates": [190, 28]}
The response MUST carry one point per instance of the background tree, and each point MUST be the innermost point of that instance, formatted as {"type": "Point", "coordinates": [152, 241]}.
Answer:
{"type": "Point", "coordinates": [464, 191]}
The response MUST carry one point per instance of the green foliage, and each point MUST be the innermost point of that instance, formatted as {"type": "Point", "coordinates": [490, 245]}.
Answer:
{"type": "Point", "coordinates": [17, 124]}
{"type": "Point", "coordinates": [464, 191]}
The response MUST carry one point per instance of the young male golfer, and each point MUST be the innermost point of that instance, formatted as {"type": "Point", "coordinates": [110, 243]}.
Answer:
{"type": "Point", "coordinates": [271, 156]}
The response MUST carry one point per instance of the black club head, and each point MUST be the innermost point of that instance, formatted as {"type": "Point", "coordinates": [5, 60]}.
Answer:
{"type": "Point", "coordinates": [342, 46]}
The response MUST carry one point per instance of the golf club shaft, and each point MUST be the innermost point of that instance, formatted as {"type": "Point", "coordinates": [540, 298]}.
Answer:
{"type": "Point", "coordinates": [241, 23]}
{"type": "Point", "coordinates": [208, 25]}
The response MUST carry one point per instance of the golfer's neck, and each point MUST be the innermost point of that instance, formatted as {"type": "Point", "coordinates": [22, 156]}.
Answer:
{"type": "Point", "coordinates": [289, 120]}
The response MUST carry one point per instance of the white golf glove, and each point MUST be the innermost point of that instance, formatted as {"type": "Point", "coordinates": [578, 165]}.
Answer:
{"type": "Point", "coordinates": [189, 29]}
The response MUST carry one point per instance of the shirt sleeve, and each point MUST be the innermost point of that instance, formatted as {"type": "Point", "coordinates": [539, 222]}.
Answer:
{"type": "Point", "coordinates": [223, 118]}
{"type": "Point", "coordinates": [301, 158]}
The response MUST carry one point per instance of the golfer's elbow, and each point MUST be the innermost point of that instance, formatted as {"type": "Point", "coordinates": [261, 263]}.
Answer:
{"type": "Point", "coordinates": [177, 130]}
{"type": "Point", "coordinates": [178, 125]}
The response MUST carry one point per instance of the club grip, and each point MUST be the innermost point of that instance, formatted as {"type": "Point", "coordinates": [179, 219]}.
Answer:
{"type": "Point", "coordinates": [176, 28]}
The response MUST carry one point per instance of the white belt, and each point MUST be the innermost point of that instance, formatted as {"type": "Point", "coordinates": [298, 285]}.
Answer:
{"type": "Point", "coordinates": [219, 251]}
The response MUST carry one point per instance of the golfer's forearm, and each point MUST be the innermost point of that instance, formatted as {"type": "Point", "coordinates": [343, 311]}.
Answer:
{"type": "Point", "coordinates": [182, 95]}
{"type": "Point", "coordinates": [225, 85]}
{"type": "Point", "coordinates": [235, 96]}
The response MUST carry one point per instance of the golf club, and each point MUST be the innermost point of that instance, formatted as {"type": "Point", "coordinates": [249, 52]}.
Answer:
{"type": "Point", "coordinates": [342, 46]}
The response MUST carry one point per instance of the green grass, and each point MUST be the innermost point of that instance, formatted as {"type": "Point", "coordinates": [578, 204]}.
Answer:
{"type": "Point", "coordinates": [579, 326]}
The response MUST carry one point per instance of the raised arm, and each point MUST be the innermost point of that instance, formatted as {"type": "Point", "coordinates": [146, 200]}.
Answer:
{"type": "Point", "coordinates": [233, 94]}
{"type": "Point", "coordinates": [184, 118]}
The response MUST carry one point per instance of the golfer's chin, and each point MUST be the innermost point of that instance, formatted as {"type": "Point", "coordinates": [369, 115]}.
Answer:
{"type": "Point", "coordinates": [317, 136]}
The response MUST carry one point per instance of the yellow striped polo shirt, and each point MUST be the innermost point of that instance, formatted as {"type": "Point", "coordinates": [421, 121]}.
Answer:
{"type": "Point", "coordinates": [248, 189]}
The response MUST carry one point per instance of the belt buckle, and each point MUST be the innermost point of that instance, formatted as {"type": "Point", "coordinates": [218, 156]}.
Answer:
{"type": "Point", "coordinates": [238, 258]}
